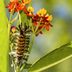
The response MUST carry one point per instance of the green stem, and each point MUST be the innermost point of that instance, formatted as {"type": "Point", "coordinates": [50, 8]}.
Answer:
{"type": "Point", "coordinates": [37, 27]}
{"type": "Point", "coordinates": [10, 16]}
{"type": "Point", "coordinates": [17, 69]}
{"type": "Point", "coordinates": [14, 19]}
{"type": "Point", "coordinates": [31, 25]}
{"type": "Point", "coordinates": [9, 22]}
{"type": "Point", "coordinates": [9, 28]}
{"type": "Point", "coordinates": [19, 17]}
{"type": "Point", "coordinates": [32, 41]}
{"type": "Point", "coordinates": [21, 69]}
{"type": "Point", "coordinates": [39, 31]}
{"type": "Point", "coordinates": [33, 29]}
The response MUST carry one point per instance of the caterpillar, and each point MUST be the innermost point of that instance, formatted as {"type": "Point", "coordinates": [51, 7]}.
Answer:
{"type": "Point", "coordinates": [20, 44]}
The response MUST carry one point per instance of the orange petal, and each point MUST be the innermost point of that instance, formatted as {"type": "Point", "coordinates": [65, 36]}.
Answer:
{"type": "Point", "coordinates": [26, 1]}
{"type": "Point", "coordinates": [49, 18]}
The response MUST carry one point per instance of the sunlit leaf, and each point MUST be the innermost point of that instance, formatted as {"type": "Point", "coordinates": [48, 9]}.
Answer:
{"type": "Point", "coordinates": [53, 58]}
{"type": "Point", "coordinates": [3, 38]}
{"type": "Point", "coordinates": [23, 18]}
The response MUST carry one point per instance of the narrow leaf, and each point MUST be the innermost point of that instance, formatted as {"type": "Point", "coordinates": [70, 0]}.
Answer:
{"type": "Point", "coordinates": [23, 18]}
{"type": "Point", "coordinates": [53, 58]}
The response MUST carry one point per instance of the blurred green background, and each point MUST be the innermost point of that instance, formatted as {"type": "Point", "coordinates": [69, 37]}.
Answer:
{"type": "Point", "coordinates": [59, 34]}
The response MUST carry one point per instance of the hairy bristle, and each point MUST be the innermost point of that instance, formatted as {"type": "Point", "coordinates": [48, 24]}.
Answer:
{"type": "Point", "coordinates": [23, 43]}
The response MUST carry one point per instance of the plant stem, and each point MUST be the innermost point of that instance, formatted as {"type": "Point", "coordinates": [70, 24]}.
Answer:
{"type": "Point", "coordinates": [39, 31]}
{"type": "Point", "coordinates": [32, 41]}
{"type": "Point", "coordinates": [9, 22]}
{"type": "Point", "coordinates": [14, 19]}
{"type": "Point", "coordinates": [19, 17]}
{"type": "Point", "coordinates": [17, 69]}
{"type": "Point", "coordinates": [37, 27]}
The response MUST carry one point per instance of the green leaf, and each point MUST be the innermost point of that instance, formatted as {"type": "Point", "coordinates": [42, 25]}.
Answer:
{"type": "Point", "coordinates": [23, 18]}
{"type": "Point", "coordinates": [53, 58]}
{"type": "Point", "coordinates": [3, 38]}
{"type": "Point", "coordinates": [70, 44]}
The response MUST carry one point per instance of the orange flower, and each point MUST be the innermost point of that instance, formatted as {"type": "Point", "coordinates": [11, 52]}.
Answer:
{"type": "Point", "coordinates": [43, 19]}
{"type": "Point", "coordinates": [13, 0]}
{"type": "Point", "coordinates": [49, 18]}
{"type": "Point", "coordinates": [19, 7]}
{"type": "Point", "coordinates": [28, 11]}
{"type": "Point", "coordinates": [41, 12]}
{"type": "Point", "coordinates": [13, 5]}
{"type": "Point", "coordinates": [16, 5]}
{"type": "Point", "coordinates": [26, 1]}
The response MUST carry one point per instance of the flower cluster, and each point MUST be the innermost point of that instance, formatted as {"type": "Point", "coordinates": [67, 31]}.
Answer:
{"type": "Point", "coordinates": [41, 20]}
{"type": "Point", "coordinates": [16, 5]}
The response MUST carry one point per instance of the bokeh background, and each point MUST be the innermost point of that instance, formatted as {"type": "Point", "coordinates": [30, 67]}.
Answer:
{"type": "Point", "coordinates": [59, 34]}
